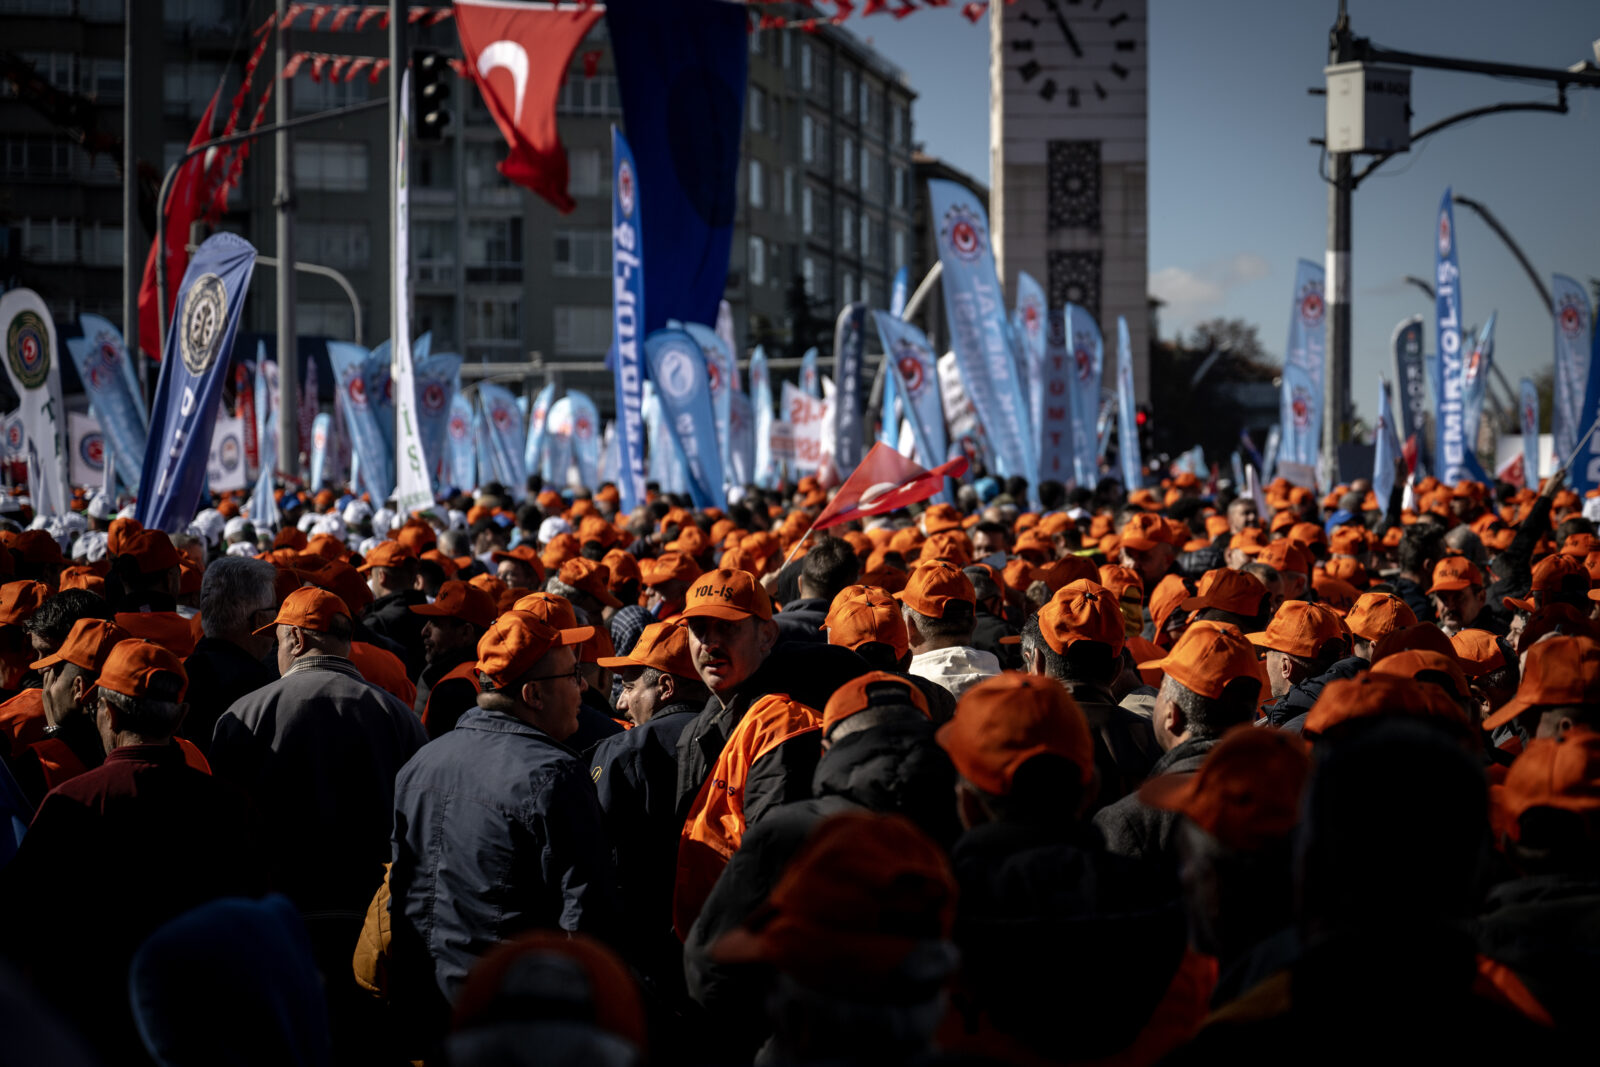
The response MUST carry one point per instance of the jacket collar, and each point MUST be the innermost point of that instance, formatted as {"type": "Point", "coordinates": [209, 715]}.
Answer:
{"type": "Point", "coordinates": [485, 721]}
{"type": "Point", "coordinates": [337, 664]}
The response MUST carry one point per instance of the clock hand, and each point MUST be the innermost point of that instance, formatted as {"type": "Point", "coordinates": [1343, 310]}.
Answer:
{"type": "Point", "coordinates": [1066, 31]}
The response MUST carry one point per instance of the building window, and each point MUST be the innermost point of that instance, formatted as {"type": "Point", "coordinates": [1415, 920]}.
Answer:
{"type": "Point", "coordinates": [902, 190]}
{"type": "Point", "coordinates": [866, 103]}
{"type": "Point", "coordinates": [582, 253]}
{"type": "Point", "coordinates": [805, 65]}
{"type": "Point", "coordinates": [898, 241]}
{"type": "Point", "coordinates": [787, 49]}
{"type": "Point", "coordinates": [755, 106]}
{"type": "Point", "coordinates": [495, 318]}
{"type": "Point", "coordinates": [808, 139]}
{"type": "Point", "coordinates": [866, 291]}
{"type": "Point", "coordinates": [329, 93]}
{"type": "Point", "coordinates": [342, 245]}
{"type": "Point", "coordinates": [40, 158]}
{"type": "Point", "coordinates": [758, 184]}
{"type": "Point", "coordinates": [807, 206]}
{"type": "Point", "coordinates": [867, 170]}
{"type": "Point", "coordinates": [433, 246]}
{"type": "Point", "coordinates": [332, 166]}
{"type": "Point", "coordinates": [49, 240]}
{"type": "Point", "coordinates": [187, 88]}
{"type": "Point", "coordinates": [847, 228]}
{"type": "Point", "coordinates": [324, 318]}
{"type": "Point", "coordinates": [788, 190]}
{"type": "Point", "coordinates": [847, 288]}
{"type": "Point", "coordinates": [756, 266]}
{"type": "Point", "coordinates": [102, 245]}
{"type": "Point", "coordinates": [897, 125]}
{"type": "Point", "coordinates": [589, 96]}
{"type": "Point", "coordinates": [847, 94]}
{"type": "Point", "coordinates": [847, 160]}
{"type": "Point", "coordinates": [866, 236]}
{"type": "Point", "coordinates": [482, 175]}
{"type": "Point", "coordinates": [494, 250]}
{"type": "Point", "coordinates": [589, 172]}
{"type": "Point", "coordinates": [583, 330]}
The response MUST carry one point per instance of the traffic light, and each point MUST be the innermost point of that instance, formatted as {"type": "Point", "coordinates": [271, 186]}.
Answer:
{"type": "Point", "coordinates": [430, 87]}
{"type": "Point", "coordinates": [1141, 417]}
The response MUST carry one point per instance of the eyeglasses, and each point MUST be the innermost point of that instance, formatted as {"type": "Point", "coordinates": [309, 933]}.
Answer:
{"type": "Point", "coordinates": [576, 674]}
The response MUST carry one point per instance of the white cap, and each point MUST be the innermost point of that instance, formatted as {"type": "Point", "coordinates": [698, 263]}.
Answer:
{"type": "Point", "coordinates": [306, 521]}
{"type": "Point", "coordinates": [457, 519]}
{"type": "Point", "coordinates": [368, 545]}
{"type": "Point", "coordinates": [235, 527]}
{"type": "Point", "coordinates": [242, 548]}
{"type": "Point", "coordinates": [383, 520]}
{"type": "Point", "coordinates": [552, 528]}
{"type": "Point", "coordinates": [126, 513]}
{"type": "Point", "coordinates": [101, 506]}
{"type": "Point", "coordinates": [208, 526]}
{"type": "Point", "coordinates": [330, 524]}
{"type": "Point", "coordinates": [357, 511]}
{"type": "Point", "coordinates": [91, 547]}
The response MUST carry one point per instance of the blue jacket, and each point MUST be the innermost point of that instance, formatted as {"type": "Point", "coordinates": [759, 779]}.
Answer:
{"type": "Point", "coordinates": [496, 831]}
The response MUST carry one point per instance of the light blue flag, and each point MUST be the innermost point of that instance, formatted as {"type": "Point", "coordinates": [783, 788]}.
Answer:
{"type": "Point", "coordinates": [719, 373]}
{"type": "Point", "coordinates": [1127, 422]}
{"type": "Point", "coordinates": [810, 380]}
{"type": "Point", "coordinates": [975, 309]}
{"type": "Point", "coordinates": [766, 475]}
{"type": "Point", "coordinates": [678, 368]}
{"type": "Point", "coordinates": [378, 372]}
{"type": "Point", "coordinates": [912, 370]}
{"type": "Point", "coordinates": [1307, 351]}
{"type": "Point", "coordinates": [101, 359]}
{"type": "Point", "coordinates": [742, 440]}
{"type": "Point", "coordinates": [1386, 446]}
{"type": "Point", "coordinates": [1454, 455]}
{"type": "Point", "coordinates": [538, 422]}
{"type": "Point", "coordinates": [1575, 399]}
{"type": "Point", "coordinates": [372, 459]}
{"type": "Point", "coordinates": [463, 472]}
{"type": "Point", "coordinates": [667, 466]}
{"type": "Point", "coordinates": [899, 290]}
{"type": "Point", "coordinates": [266, 394]}
{"type": "Point", "coordinates": [557, 459]}
{"type": "Point", "coordinates": [507, 441]}
{"type": "Point", "coordinates": [610, 457]}
{"type": "Point", "coordinates": [1475, 381]}
{"type": "Point", "coordinates": [627, 320]}
{"type": "Point", "coordinates": [1053, 412]}
{"type": "Point", "coordinates": [484, 447]}
{"type": "Point", "coordinates": [199, 350]}
{"type": "Point", "coordinates": [1529, 413]}
{"type": "Point", "coordinates": [1028, 326]}
{"type": "Point", "coordinates": [434, 379]}
{"type": "Point", "coordinates": [849, 354]}
{"type": "Point", "coordinates": [585, 437]}
{"type": "Point", "coordinates": [1088, 352]}
{"type": "Point", "coordinates": [1236, 461]}
{"type": "Point", "coordinates": [321, 434]}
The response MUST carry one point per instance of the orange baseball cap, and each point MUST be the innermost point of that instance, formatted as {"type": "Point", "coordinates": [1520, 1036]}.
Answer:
{"type": "Point", "coordinates": [1426, 666]}
{"type": "Point", "coordinates": [81, 578]}
{"type": "Point", "coordinates": [1144, 532]}
{"type": "Point", "coordinates": [1227, 590]}
{"type": "Point", "coordinates": [1339, 595]}
{"type": "Point", "coordinates": [873, 689]}
{"type": "Point", "coordinates": [1207, 657]}
{"type": "Point", "coordinates": [1371, 694]}
{"type": "Point", "coordinates": [1561, 670]}
{"type": "Point", "coordinates": [458, 600]}
{"type": "Point", "coordinates": [88, 644]}
{"type": "Point", "coordinates": [952, 545]}
{"type": "Point", "coordinates": [1247, 792]}
{"type": "Point", "coordinates": [1283, 520]}
{"type": "Point", "coordinates": [446, 564]}
{"type": "Point", "coordinates": [1347, 569]}
{"type": "Point", "coordinates": [1478, 651]}
{"type": "Point", "coordinates": [662, 645]}
{"type": "Point", "coordinates": [1062, 572]}
{"type": "Point", "coordinates": [590, 577]}
{"type": "Point", "coordinates": [387, 554]}
{"type": "Point", "coordinates": [1082, 611]}
{"type": "Point", "coordinates": [691, 541]}
{"type": "Point", "coordinates": [1285, 555]}
{"type": "Point", "coordinates": [1561, 773]}
{"type": "Point", "coordinates": [519, 639]}
{"type": "Point", "coordinates": [1004, 721]}
{"type": "Point", "coordinates": [1018, 574]}
{"type": "Point", "coordinates": [671, 567]}
{"type": "Point", "coordinates": [523, 553]}
{"type": "Point", "coordinates": [554, 609]}
{"type": "Point", "coordinates": [1375, 616]}
{"type": "Point", "coordinates": [870, 617]}
{"type": "Point", "coordinates": [19, 600]}
{"type": "Point", "coordinates": [941, 517]}
{"type": "Point", "coordinates": [561, 548]}
{"type": "Point", "coordinates": [133, 666]}
{"type": "Point", "coordinates": [1553, 574]}
{"type": "Point", "coordinates": [1348, 541]}
{"type": "Point", "coordinates": [309, 608]}
{"type": "Point", "coordinates": [1306, 534]}
{"type": "Point", "coordinates": [417, 535]}
{"type": "Point", "coordinates": [1299, 629]}
{"type": "Point", "coordinates": [152, 551]}
{"type": "Point", "coordinates": [622, 566]}
{"type": "Point", "coordinates": [1454, 572]}
{"type": "Point", "coordinates": [1580, 544]}
{"type": "Point", "coordinates": [934, 584]}
{"type": "Point", "coordinates": [730, 595]}
{"type": "Point", "coordinates": [1250, 540]}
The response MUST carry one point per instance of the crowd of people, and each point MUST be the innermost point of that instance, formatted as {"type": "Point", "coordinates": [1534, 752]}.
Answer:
{"type": "Point", "coordinates": [1027, 776]}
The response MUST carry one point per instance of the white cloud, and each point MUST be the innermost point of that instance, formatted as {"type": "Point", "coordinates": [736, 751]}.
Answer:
{"type": "Point", "coordinates": [1194, 294]}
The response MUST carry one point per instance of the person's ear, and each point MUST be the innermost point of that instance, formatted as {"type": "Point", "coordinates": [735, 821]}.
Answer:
{"type": "Point", "coordinates": [80, 688]}
{"type": "Point", "coordinates": [769, 635]}
{"type": "Point", "coordinates": [1033, 661]}
{"type": "Point", "coordinates": [529, 695]}
{"type": "Point", "coordinates": [1174, 722]}
{"type": "Point", "coordinates": [668, 685]}
{"type": "Point", "coordinates": [112, 713]}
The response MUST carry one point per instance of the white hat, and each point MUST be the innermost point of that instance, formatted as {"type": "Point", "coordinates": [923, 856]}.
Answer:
{"type": "Point", "coordinates": [208, 525]}
{"type": "Point", "coordinates": [91, 547]}
{"type": "Point", "coordinates": [235, 527]}
{"type": "Point", "coordinates": [458, 519]}
{"type": "Point", "coordinates": [368, 545]}
{"type": "Point", "coordinates": [383, 520]}
{"type": "Point", "coordinates": [101, 506]}
{"type": "Point", "coordinates": [126, 513]}
{"type": "Point", "coordinates": [357, 511]}
{"type": "Point", "coordinates": [306, 521]}
{"type": "Point", "coordinates": [552, 528]}
{"type": "Point", "coordinates": [242, 548]}
{"type": "Point", "coordinates": [330, 524]}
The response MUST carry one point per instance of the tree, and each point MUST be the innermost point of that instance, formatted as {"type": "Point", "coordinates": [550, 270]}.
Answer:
{"type": "Point", "coordinates": [1196, 386]}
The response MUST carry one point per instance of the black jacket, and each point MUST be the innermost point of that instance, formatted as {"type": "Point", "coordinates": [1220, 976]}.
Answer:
{"type": "Point", "coordinates": [1289, 711]}
{"type": "Point", "coordinates": [220, 672]}
{"type": "Point", "coordinates": [1513, 569]}
{"type": "Point", "coordinates": [430, 676]}
{"type": "Point", "coordinates": [986, 637]}
{"type": "Point", "coordinates": [1416, 598]}
{"type": "Point", "coordinates": [1138, 831]}
{"type": "Point", "coordinates": [391, 617]}
{"type": "Point", "coordinates": [1547, 929]}
{"type": "Point", "coordinates": [1124, 745]}
{"type": "Point", "coordinates": [595, 723]}
{"type": "Point", "coordinates": [801, 620]}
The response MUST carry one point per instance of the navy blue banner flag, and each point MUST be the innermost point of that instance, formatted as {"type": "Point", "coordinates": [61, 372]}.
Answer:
{"type": "Point", "coordinates": [719, 372]}
{"type": "Point", "coordinates": [681, 68]}
{"type": "Point", "coordinates": [1127, 420]}
{"type": "Point", "coordinates": [1053, 405]}
{"type": "Point", "coordinates": [102, 362]}
{"type": "Point", "coordinates": [199, 347]}
{"type": "Point", "coordinates": [627, 319]}
{"type": "Point", "coordinates": [678, 371]}
{"type": "Point", "coordinates": [1088, 354]}
{"type": "Point", "coordinates": [849, 347]}
{"type": "Point", "coordinates": [1475, 382]}
{"type": "Point", "coordinates": [1413, 384]}
{"type": "Point", "coordinates": [1570, 415]}
{"type": "Point", "coordinates": [1454, 452]}
{"type": "Point", "coordinates": [1528, 409]}
{"type": "Point", "coordinates": [912, 372]}
{"type": "Point", "coordinates": [374, 459]}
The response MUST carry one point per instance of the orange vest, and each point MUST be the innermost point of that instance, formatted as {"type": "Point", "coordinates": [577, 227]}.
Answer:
{"type": "Point", "coordinates": [716, 823]}
{"type": "Point", "coordinates": [467, 671]}
{"type": "Point", "coordinates": [383, 669]}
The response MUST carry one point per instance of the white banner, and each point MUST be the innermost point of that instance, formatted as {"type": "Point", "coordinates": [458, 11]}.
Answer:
{"type": "Point", "coordinates": [804, 416]}
{"type": "Point", "coordinates": [413, 489]}
{"type": "Point", "coordinates": [33, 366]}
{"type": "Point", "coordinates": [88, 446]}
{"type": "Point", "coordinates": [225, 467]}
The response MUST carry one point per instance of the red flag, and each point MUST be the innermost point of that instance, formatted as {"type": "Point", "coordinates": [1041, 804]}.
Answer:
{"type": "Point", "coordinates": [183, 207]}
{"type": "Point", "coordinates": [519, 56]}
{"type": "Point", "coordinates": [885, 481]}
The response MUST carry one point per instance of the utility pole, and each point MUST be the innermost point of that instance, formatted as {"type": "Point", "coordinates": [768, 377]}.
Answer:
{"type": "Point", "coordinates": [398, 58]}
{"type": "Point", "coordinates": [288, 351]}
{"type": "Point", "coordinates": [132, 270]}
{"type": "Point", "coordinates": [1336, 289]}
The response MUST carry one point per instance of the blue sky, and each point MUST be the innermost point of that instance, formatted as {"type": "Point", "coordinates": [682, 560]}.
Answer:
{"type": "Point", "coordinates": [1235, 198]}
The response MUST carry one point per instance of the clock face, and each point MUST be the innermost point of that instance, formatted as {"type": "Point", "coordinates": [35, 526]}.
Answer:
{"type": "Point", "coordinates": [1099, 41]}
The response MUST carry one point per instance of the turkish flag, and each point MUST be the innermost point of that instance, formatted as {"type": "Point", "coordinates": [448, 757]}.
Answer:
{"type": "Point", "coordinates": [885, 481]}
{"type": "Point", "coordinates": [184, 205]}
{"type": "Point", "coordinates": [518, 54]}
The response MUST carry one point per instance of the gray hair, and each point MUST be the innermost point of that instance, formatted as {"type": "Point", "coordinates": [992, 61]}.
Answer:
{"type": "Point", "coordinates": [1469, 544]}
{"type": "Point", "coordinates": [233, 589]}
{"type": "Point", "coordinates": [562, 589]}
{"type": "Point", "coordinates": [455, 543]}
{"type": "Point", "coordinates": [148, 716]}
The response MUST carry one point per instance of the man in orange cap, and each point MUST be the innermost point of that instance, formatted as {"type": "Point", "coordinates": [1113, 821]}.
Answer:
{"type": "Point", "coordinates": [1374, 617]}
{"type": "Point", "coordinates": [520, 567]}
{"type": "Point", "coordinates": [667, 581]}
{"type": "Point", "coordinates": [1560, 689]}
{"type": "Point", "coordinates": [318, 750]}
{"type": "Point", "coordinates": [496, 825]}
{"type": "Point", "coordinates": [940, 610]}
{"type": "Point", "coordinates": [170, 836]}
{"type": "Point", "coordinates": [1147, 547]}
{"type": "Point", "coordinates": [33, 624]}
{"type": "Point", "coordinates": [448, 685]}
{"type": "Point", "coordinates": [1077, 640]}
{"type": "Point", "coordinates": [1306, 647]}
{"type": "Point", "coordinates": [829, 565]}
{"type": "Point", "coordinates": [1230, 596]}
{"type": "Point", "coordinates": [1420, 550]}
{"type": "Point", "coordinates": [1459, 600]}
{"type": "Point", "coordinates": [1210, 684]}
{"type": "Point", "coordinates": [391, 573]}
{"type": "Point", "coordinates": [238, 596]}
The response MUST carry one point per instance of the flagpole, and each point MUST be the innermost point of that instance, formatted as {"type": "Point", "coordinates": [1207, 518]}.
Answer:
{"type": "Point", "coordinates": [288, 458]}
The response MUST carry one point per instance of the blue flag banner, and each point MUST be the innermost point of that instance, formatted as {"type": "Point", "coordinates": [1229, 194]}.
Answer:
{"type": "Point", "coordinates": [742, 448]}
{"type": "Point", "coordinates": [976, 314]}
{"type": "Point", "coordinates": [507, 441]}
{"type": "Point", "coordinates": [1127, 423]}
{"type": "Point", "coordinates": [585, 438]}
{"type": "Point", "coordinates": [1475, 382]}
{"type": "Point", "coordinates": [1028, 330]}
{"type": "Point", "coordinates": [1269, 464]}
{"type": "Point", "coordinates": [102, 361]}
{"type": "Point", "coordinates": [321, 433]}
{"type": "Point", "coordinates": [266, 393]}
{"type": "Point", "coordinates": [1301, 405]}
{"type": "Point", "coordinates": [810, 379]}
{"type": "Point", "coordinates": [1088, 352]}
{"type": "Point", "coordinates": [913, 370]}
{"type": "Point", "coordinates": [1413, 384]}
{"type": "Point", "coordinates": [1386, 447]}
{"type": "Point", "coordinates": [485, 447]}
{"type": "Point", "coordinates": [899, 290]}
{"type": "Point", "coordinates": [463, 472]}
{"type": "Point", "coordinates": [681, 69]}
{"type": "Point", "coordinates": [627, 320]}
{"type": "Point", "coordinates": [1570, 414]}
{"type": "Point", "coordinates": [557, 461]}
{"type": "Point", "coordinates": [1053, 389]}
{"type": "Point", "coordinates": [1528, 405]}
{"type": "Point", "coordinates": [766, 473]}
{"type": "Point", "coordinates": [1453, 450]}
{"type": "Point", "coordinates": [849, 351]}
{"type": "Point", "coordinates": [1586, 466]}
{"type": "Point", "coordinates": [538, 424]}
{"type": "Point", "coordinates": [719, 373]}
{"type": "Point", "coordinates": [610, 461]}
{"type": "Point", "coordinates": [378, 374]}
{"type": "Point", "coordinates": [434, 381]}
{"type": "Point", "coordinates": [667, 465]}
{"type": "Point", "coordinates": [198, 352]}
{"type": "Point", "coordinates": [374, 459]}
{"type": "Point", "coordinates": [678, 369]}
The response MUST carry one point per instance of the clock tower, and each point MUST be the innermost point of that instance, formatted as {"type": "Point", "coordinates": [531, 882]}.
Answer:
{"type": "Point", "coordinates": [1068, 146]}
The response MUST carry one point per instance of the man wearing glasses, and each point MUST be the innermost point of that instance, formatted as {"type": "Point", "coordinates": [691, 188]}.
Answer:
{"type": "Point", "coordinates": [497, 828]}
